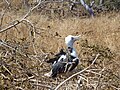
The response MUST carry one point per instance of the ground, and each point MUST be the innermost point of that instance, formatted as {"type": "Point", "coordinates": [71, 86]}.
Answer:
{"type": "Point", "coordinates": [23, 66]}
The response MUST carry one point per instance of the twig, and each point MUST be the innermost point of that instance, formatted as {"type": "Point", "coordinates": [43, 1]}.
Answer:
{"type": "Point", "coordinates": [4, 76]}
{"type": "Point", "coordinates": [32, 33]}
{"type": "Point", "coordinates": [9, 27]}
{"type": "Point", "coordinates": [19, 21]}
{"type": "Point", "coordinates": [7, 2]}
{"type": "Point", "coordinates": [115, 87]}
{"type": "Point", "coordinates": [7, 70]}
{"type": "Point", "coordinates": [43, 85]}
{"type": "Point", "coordinates": [23, 79]}
{"type": "Point", "coordinates": [78, 83]}
{"type": "Point", "coordinates": [95, 72]}
{"type": "Point", "coordinates": [23, 19]}
{"type": "Point", "coordinates": [30, 23]}
{"type": "Point", "coordinates": [83, 77]}
{"type": "Point", "coordinates": [34, 80]}
{"type": "Point", "coordinates": [99, 78]}
{"type": "Point", "coordinates": [6, 53]}
{"type": "Point", "coordinates": [77, 73]}
{"type": "Point", "coordinates": [19, 88]}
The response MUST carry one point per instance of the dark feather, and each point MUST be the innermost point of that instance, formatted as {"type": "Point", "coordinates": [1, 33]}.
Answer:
{"type": "Point", "coordinates": [57, 56]}
{"type": "Point", "coordinates": [74, 64]}
{"type": "Point", "coordinates": [60, 66]}
{"type": "Point", "coordinates": [57, 68]}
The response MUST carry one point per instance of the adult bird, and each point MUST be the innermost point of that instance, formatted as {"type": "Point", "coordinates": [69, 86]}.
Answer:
{"type": "Point", "coordinates": [65, 61]}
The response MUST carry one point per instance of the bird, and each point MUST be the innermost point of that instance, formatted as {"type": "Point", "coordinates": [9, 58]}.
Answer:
{"type": "Point", "coordinates": [73, 60]}
{"type": "Point", "coordinates": [64, 61]}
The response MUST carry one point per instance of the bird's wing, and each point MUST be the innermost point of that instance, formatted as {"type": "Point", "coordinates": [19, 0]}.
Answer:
{"type": "Point", "coordinates": [57, 56]}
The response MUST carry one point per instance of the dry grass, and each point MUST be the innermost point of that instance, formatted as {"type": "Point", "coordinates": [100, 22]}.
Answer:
{"type": "Point", "coordinates": [100, 30]}
{"type": "Point", "coordinates": [99, 34]}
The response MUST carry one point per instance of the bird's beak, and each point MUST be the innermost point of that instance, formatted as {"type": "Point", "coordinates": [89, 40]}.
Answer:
{"type": "Point", "coordinates": [77, 37]}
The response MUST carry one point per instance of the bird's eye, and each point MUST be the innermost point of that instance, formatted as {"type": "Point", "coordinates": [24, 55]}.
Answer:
{"type": "Point", "coordinates": [72, 38]}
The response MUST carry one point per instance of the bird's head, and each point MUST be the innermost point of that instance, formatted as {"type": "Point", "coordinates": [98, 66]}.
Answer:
{"type": "Point", "coordinates": [70, 39]}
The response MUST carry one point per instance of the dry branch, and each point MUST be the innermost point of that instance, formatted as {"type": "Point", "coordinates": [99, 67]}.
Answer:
{"type": "Point", "coordinates": [43, 85]}
{"type": "Point", "coordinates": [16, 22]}
{"type": "Point", "coordinates": [19, 88]}
{"type": "Point", "coordinates": [77, 73]}
{"type": "Point", "coordinates": [32, 33]}
{"type": "Point", "coordinates": [23, 79]}
{"type": "Point", "coordinates": [87, 7]}
{"type": "Point", "coordinates": [115, 87]}
{"type": "Point", "coordinates": [37, 83]}
{"type": "Point", "coordinates": [7, 69]}
{"type": "Point", "coordinates": [8, 3]}
{"type": "Point", "coordinates": [11, 26]}
{"type": "Point", "coordinates": [96, 72]}
{"type": "Point", "coordinates": [19, 21]}
{"type": "Point", "coordinates": [79, 83]}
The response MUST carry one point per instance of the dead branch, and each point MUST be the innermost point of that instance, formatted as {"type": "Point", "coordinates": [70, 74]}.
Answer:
{"type": "Point", "coordinates": [9, 27]}
{"type": "Point", "coordinates": [23, 79]}
{"type": "Point", "coordinates": [43, 85]}
{"type": "Point", "coordinates": [37, 83]}
{"type": "Point", "coordinates": [32, 33]}
{"type": "Point", "coordinates": [79, 83]}
{"type": "Point", "coordinates": [8, 3]}
{"type": "Point", "coordinates": [101, 2]}
{"type": "Point", "coordinates": [24, 19]}
{"type": "Point", "coordinates": [19, 88]}
{"type": "Point", "coordinates": [7, 69]}
{"type": "Point", "coordinates": [4, 76]}
{"type": "Point", "coordinates": [115, 87]}
{"type": "Point", "coordinates": [88, 8]}
{"type": "Point", "coordinates": [83, 77]}
{"type": "Point", "coordinates": [77, 73]}
{"type": "Point", "coordinates": [99, 73]}
{"type": "Point", "coordinates": [19, 21]}
{"type": "Point", "coordinates": [98, 82]}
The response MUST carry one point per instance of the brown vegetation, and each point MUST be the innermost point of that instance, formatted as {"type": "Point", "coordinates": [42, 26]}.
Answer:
{"type": "Point", "coordinates": [23, 55]}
